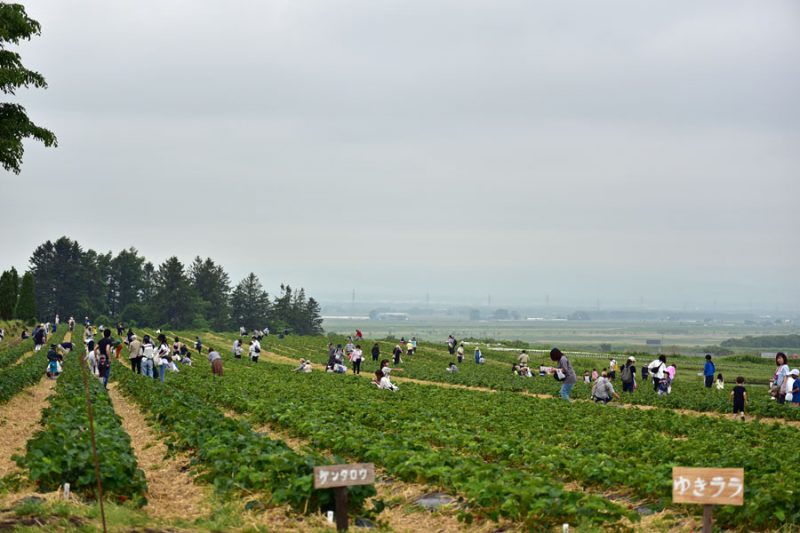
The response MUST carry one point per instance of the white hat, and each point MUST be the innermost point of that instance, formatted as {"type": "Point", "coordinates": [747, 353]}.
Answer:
{"type": "Point", "coordinates": [795, 372]}
{"type": "Point", "coordinates": [632, 358]}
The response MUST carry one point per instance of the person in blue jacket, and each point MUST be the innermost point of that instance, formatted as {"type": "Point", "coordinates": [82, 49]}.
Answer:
{"type": "Point", "coordinates": [708, 371]}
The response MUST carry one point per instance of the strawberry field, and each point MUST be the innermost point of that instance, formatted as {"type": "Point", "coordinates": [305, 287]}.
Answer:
{"type": "Point", "coordinates": [508, 452]}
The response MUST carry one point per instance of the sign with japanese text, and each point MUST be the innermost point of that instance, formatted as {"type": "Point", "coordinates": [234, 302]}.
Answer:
{"type": "Point", "coordinates": [330, 476]}
{"type": "Point", "coordinates": [710, 486]}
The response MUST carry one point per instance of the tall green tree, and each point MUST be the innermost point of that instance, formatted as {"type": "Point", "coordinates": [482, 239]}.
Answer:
{"type": "Point", "coordinates": [59, 284]}
{"type": "Point", "coordinates": [214, 286]}
{"type": "Point", "coordinates": [127, 280]}
{"type": "Point", "coordinates": [15, 25]}
{"type": "Point", "coordinates": [26, 305]}
{"type": "Point", "coordinates": [175, 302]}
{"type": "Point", "coordinates": [15, 283]}
{"type": "Point", "coordinates": [8, 296]}
{"type": "Point", "coordinates": [250, 305]}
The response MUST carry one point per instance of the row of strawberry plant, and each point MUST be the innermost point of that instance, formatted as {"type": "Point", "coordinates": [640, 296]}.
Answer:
{"type": "Point", "coordinates": [229, 454]}
{"type": "Point", "coordinates": [11, 354]}
{"type": "Point", "coordinates": [339, 423]}
{"type": "Point", "coordinates": [434, 433]}
{"type": "Point", "coordinates": [30, 371]}
{"type": "Point", "coordinates": [61, 451]}
{"type": "Point", "coordinates": [429, 365]}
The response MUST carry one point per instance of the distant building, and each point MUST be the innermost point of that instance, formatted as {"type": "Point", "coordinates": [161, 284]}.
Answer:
{"type": "Point", "coordinates": [391, 316]}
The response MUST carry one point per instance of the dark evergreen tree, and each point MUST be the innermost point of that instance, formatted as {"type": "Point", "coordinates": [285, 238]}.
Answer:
{"type": "Point", "coordinates": [8, 299]}
{"type": "Point", "coordinates": [175, 302]}
{"type": "Point", "coordinates": [250, 304]}
{"type": "Point", "coordinates": [127, 279]}
{"type": "Point", "coordinates": [15, 283]}
{"type": "Point", "coordinates": [214, 286]}
{"type": "Point", "coordinates": [57, 268]}
{"type": "Point", "coordinates": [26, 305]}
{"type": "Point", "coordinates": [312, 319]}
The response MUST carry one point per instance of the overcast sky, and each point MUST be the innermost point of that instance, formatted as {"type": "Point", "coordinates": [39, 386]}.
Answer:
{"type": "Point", "coordinates": [616, 150]}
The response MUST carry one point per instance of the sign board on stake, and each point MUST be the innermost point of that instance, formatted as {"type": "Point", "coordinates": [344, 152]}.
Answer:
{"type": "Point", "coordinates": [326, 477]}
{"type": "Point", "coordinates": [339, 477]}
{"type": "Point", "coordinates": [709, 487]}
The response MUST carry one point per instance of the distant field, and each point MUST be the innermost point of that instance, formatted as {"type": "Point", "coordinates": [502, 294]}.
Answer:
{"type": "Point", "coordinates": [584, 334]}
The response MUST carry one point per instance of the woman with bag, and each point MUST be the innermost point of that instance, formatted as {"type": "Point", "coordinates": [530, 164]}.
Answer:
{"type": "Point", "coordinates": [356, 357]}
{"type": "Point", "coordinates": [563, 372]}
{"type": "Point", "coordinates": [148, 356]}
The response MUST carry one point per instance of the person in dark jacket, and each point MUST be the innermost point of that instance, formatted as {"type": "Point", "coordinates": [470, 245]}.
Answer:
{"type": "Point", "coordinates": [376, 351]}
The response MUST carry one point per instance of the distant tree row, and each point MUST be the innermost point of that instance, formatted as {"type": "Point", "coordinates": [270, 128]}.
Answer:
{"type": "Point", "coordinates": [68, 280]}
{"type": "Point", "coordinates": [764, 341]}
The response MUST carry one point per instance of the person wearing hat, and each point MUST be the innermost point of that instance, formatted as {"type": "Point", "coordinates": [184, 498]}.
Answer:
{"type": "Point", "coordinates": [135, 354]}
{"type": "Point", "coordinates": [628, 375]}
{"type": "Point", "coordinates": [795, 390]}
{"type": "Point", "coordinates": [305, 366]}
{"type": "Point", "coordinates": [791, 384]}
{"type": "Point", "coordinates": [54, 362]}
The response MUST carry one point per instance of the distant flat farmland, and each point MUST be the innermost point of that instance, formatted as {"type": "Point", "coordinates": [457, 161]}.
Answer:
{"type": "Point", "coordinates": [588, 333]}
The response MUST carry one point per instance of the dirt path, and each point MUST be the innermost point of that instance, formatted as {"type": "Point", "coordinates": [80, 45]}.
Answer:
{"type": "Point", "coordinates": [20, 418]}
{"type": "Point", "coordinates": [171, 490]}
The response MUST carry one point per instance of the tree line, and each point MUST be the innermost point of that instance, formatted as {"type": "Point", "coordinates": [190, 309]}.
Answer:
{"type": "Point", "coordinates": [66, 279]}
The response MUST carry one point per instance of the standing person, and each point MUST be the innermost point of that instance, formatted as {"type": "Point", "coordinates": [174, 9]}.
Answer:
{"type": "Point", "coordinates": [237, 349]}
{"type": "Point", "coordinates": [86, 322]}
{"type": "Point", "coordinates": [71, 323]}
{"type": "Point", "coordinates": [162, 356]}
{"type": "Point", "coordinates": [120, 329]}
{"type": "Point", "coordinates": [709, 369]}
{"type": "Point", "coordinates": [791, 377]}
{"type": "Point", "coordinates": [198, 345]}
{"type": "Point", "coordinates": [523, 358]}
{"type": "Point", "coordinates": [612, 369]}
{"type": "Point", "coordinates": [720, 382]}
{"type": "Point", "coordinates": [356, 357]}
{"type": "Point", "coordinates": [563, 372]}
{"type": "Point", "coordinates": [135, 354]}
{"type": "Point", "coordinates": [91, 357]}
{"type": "Point", "coordinates": [670, 377]}
{"type": "Point", "coordinates": [657, 368]}
{"type": "Point", "coordinates": [795, 389]}
{"type": "Point", "coordinates": [242, 331]}
{"type": "Point", "coordinates": [739, 396]}
{"type": "Point", "coordinates": [103, 365]}
{"type": "Point", "coordinates": [628, 375]}
{"type": "Point", "coordinates": [777, 390]}
{"type": "Point", "coordinates": [376, 351]}
{"type": "Point", "coordinates": [413, 345]}
{"type": "Point", "coordinates": [478, 355]}
{"type": "Point", "coordinates": [129, 335]}
{"type": "Point", "coordinates": [348, 348]}
{"type": "Point", "coordinates": [397, 353]}
{"type": "Point", "coordinates": [255, 349]}
{"type": "Point", "coordinates": [106, 347]}
{"type": "Point", "coordinates": [176, 346]}
{"type": "Point", "coordinates": [148, 356]}
{"type": "Point", "coordinates": [39, 337]}
{"type": "Point", "coordinates": [460, 353]}
{"type": "Point", "coordinates": [451, 344]}
{"type": "Point", "coordinates": [216, 362]}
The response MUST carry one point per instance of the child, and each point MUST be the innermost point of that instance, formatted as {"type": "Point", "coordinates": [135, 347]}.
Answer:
{"type": "Point", "coordinates": [720, 382]}
{"type": "Point", "coordinates": [595, 375]}
{"type": "Point", "coordinates": [586, 377]}
{"type": "Point", "coordinates": [791, 384]}
{"type": "Point", "coordinates": [795, 388]}
{"type": "Point", "coordinates": [739, 395]}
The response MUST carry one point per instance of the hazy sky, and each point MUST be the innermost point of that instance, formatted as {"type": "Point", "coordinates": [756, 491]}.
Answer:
{"type": "Point", "coordinates": [580, 150]}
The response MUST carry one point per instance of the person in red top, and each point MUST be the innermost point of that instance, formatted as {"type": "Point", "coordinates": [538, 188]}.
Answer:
{"type": "Point", "coordinates": [359, 335]}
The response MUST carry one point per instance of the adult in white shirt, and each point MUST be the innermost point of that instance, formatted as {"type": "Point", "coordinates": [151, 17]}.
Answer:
{"type": "Point", "coordinates": [237, 349]}
{"type": "Point", "coordinates": [255, 349]}
{"type": "Point", "coordinates": [356, 357]}
{"type": "Point", "coordinates": [148, 356]}
{"type": "Point", "coordinates": [657, 369]}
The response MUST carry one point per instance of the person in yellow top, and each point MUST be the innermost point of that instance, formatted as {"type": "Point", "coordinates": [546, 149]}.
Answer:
{"type": "Point", "coordinates": [460, 352]}
{"type": "Point", "coordinates": [523, 358]}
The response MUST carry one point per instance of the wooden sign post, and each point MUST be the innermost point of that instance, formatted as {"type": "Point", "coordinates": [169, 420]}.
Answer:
{"type": "Point", "coordinates": [709, 487]}
{"type": "Point", "coordinates": [338, 478]}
